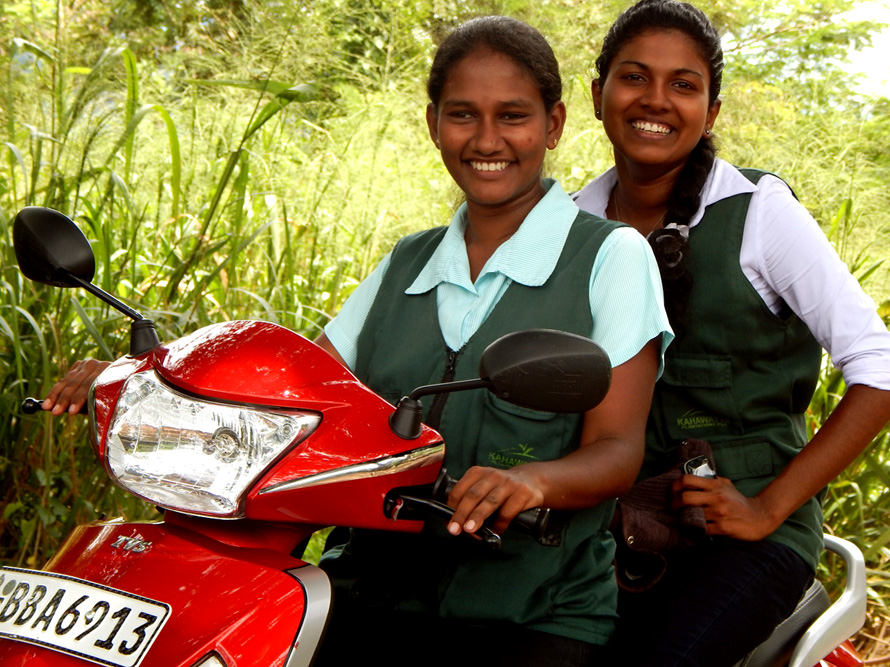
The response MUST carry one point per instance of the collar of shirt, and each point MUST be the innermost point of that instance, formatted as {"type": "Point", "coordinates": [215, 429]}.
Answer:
{"type": "Point", "coordinates": [528, 257]}
{"type": "Point", "coordinates": [723, 181]}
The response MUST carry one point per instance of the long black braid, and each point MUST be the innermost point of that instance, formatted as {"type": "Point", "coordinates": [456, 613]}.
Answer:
{"type": "Point", "coordinates": [670, 246]}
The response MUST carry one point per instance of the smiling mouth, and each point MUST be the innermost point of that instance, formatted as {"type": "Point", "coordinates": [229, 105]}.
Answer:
{"type": "Point", "coordinates": [653, 128]}
{"type": "Point", "coordinates": [489, 166]}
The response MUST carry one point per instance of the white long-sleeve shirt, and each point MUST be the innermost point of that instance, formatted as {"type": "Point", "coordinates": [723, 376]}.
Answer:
{"type": "Point", "coordinates": [789, 262]}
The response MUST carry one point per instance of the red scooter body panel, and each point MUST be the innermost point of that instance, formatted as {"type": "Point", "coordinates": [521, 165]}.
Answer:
{"type": "Point", "coordinates": [220, 596]}
{"type": "Point", "coordinates": [844, 655]}
{"type": "Point", "coordinates": [263, 364]}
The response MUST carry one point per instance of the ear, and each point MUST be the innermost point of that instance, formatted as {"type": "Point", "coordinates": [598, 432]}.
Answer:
{"type": "Point", "coordinates": [597, 91]}
{"type": "Point", "coordinates": [556, 123]}
{"type": "Point", "coordinates": [432, 123]}
{"type": "Point", "coordinates": [712, 114]}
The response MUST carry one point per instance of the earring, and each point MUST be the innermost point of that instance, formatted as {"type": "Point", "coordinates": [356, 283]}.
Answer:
{"type": "Point", "coordinates": [598, 114]}
{"type": "Point", "coordinates": [708, 132]}
{"type": "Point", "coordinates": [554, 144]}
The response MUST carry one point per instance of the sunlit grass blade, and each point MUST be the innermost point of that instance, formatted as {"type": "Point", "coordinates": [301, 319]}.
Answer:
{"type": "Point", "coordinates": [90, 327]}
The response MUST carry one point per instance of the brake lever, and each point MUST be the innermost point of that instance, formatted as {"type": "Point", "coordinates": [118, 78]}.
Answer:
{"type": "Point", "coordinates": [393, 506]}
{"type": "Point", "coordinates": [539, 522]}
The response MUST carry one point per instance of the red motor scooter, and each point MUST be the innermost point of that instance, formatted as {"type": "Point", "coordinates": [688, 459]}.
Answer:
{"type": "Point", "coordinates": [250, 438]}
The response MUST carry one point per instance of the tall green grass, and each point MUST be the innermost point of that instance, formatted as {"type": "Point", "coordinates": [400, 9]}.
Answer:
{"type": "Point", "coordinates": [238, 199]}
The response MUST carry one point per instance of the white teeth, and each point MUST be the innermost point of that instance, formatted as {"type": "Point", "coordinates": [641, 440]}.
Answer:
{"type": "Point", "coordinates": [489, 166]}
{"type": "Point", "coordinates": [650, 127]}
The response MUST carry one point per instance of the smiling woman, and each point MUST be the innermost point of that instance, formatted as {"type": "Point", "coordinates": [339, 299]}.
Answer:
{"type": "Point", "coordinates": [492, 128]}
{"type": "Point", "coordinates": [656, 106]}
{"type": "Point", "coordinates": [753, 289]}
{"type": "Point", "coordinates": [518, 254]}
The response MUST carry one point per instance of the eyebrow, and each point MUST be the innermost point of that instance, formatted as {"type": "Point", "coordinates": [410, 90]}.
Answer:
{"type": "Point", "coordinates": [518, 102]}
{"type": "Point", "coordinates": [682, 70]}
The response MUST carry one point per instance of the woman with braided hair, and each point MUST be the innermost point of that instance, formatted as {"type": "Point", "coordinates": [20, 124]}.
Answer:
{"type": "Point", "coordinates": [754, 292]}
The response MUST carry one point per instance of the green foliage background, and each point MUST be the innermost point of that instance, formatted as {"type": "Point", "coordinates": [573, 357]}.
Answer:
{"type": "Point", "coordinates": [255, 159]}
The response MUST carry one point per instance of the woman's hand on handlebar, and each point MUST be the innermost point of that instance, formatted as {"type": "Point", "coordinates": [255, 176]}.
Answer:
{"type": "Point", "coordinates": [482, 492]}
{"type": "Point", "coordinates": [70, 393]}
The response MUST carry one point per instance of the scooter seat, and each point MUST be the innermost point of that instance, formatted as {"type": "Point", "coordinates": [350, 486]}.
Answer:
{"type": "Point", "coordinates": [777, 649]}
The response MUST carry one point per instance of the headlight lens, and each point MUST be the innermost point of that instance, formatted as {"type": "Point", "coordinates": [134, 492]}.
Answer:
{"type": "Point", "coordinates": [194, 455]}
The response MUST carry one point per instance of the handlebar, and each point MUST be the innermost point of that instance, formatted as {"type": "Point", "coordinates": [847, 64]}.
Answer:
{"type": "Point", "coordinates": [419, 503]}
{"type": "Point", "coordinates": [31, 406]}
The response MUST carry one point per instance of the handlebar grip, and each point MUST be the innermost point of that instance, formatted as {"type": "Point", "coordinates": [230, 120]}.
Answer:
{"type": "Point", "coordinates": [534, 521]}
{"type": "Point", "coordinates": [32, 406]}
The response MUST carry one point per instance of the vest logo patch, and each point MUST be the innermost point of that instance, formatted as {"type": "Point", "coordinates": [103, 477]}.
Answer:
{"type": "Point", "coordinates": [507, 458]}
{"type": "Point", "coordinates": [693, 420]}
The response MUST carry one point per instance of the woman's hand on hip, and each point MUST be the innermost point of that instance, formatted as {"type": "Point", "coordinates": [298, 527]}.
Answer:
{"type": "Point", "coordinates": [727, 511]}
{"type": "Point", "coordinates": [482, 492]}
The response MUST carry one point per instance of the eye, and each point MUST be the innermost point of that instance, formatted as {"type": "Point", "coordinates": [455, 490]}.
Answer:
{"type": "Point", "coordinates": [514, 116]}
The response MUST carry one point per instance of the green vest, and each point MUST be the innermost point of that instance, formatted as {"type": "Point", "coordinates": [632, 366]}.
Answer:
{"type": "Point", "coordinates": [567, 590]}
{"type": "Point", "coordinates": [740, 376]}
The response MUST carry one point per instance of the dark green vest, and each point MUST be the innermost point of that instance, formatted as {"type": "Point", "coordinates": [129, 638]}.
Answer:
{"type": "Point", "coordinates": [567, 590]}
{"type": "Point", "coordinates": [739, 376]}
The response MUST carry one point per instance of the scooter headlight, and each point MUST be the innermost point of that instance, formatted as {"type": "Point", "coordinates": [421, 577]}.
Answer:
{"type": "Point", "coordinates": [195, 455]}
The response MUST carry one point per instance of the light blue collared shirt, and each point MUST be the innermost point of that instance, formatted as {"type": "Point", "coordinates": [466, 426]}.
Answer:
{"type": "Point", "coordinates": [625, 290]}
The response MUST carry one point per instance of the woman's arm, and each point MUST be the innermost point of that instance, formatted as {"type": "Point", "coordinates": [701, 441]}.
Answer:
{"type": "Point", "coordinates": [791, 262]}
{"type": "Point", "coordinates": [604, 466]}
{"type": "Point", "coordinates": [852, 426]}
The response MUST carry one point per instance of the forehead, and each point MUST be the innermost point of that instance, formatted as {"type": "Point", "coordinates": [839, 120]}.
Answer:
{"type": "Point", "coordinates": [663, 49]}
{"type": "Point", "coordinates": [489, 75]}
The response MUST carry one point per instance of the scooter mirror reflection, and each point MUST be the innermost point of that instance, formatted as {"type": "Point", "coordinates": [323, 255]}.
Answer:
{"type": "Point", "coordinates": [50, 249]}
{"type": "Point", "coordinates": [551, 371]}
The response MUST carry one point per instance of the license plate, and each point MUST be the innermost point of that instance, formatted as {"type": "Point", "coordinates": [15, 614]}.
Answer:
{"type": "Point", "coordinates": [77, 617]}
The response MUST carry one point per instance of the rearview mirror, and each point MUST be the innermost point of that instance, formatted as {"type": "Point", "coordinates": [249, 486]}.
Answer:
{"type": "Point", "coordinates": [541, 369]}
{"type": "Point", "coordinates": [50, 249]}
{"type": "Point", "coordinates": [547, 370]}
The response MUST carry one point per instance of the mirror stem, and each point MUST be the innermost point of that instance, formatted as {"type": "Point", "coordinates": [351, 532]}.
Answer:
{"type": "Point", "coordinates": [106, 297]}
{"type": "Point", "coordinates": [447, 387]}
{"type": "Point", "coordinates": [143, 335]}
{"type": "Point", "coordinates": [405, 421]}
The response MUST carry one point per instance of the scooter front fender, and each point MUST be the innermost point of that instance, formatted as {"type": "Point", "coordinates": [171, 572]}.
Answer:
{"type": "Point", "coordinates": [250, 606]}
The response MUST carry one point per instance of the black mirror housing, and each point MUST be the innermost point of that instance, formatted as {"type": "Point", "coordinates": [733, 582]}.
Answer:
{"type": "Point", "coordinates": [547, 370]}
{"type": "Point", "coordinates": [50, 249]}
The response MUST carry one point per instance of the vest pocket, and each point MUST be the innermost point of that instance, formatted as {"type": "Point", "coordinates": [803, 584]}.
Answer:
{"type": "Point", "coordinates": [510, 435]}
{"type": "Point", "coordinates": [695, 397]}
{"type": "Point", "coordinates": [747, 462]}
{"type": "Point", "coordinates": [743, 459]}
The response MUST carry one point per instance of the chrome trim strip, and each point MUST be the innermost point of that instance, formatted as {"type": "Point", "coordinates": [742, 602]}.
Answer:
{"type": "Point", "coordinates": [385, 466]}
{"type": "Point", "coordinates": [318, 595]}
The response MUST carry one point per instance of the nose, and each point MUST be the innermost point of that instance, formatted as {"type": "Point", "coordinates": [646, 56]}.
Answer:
{"type": "Point", "coordinates": [488, 138]}
{"type": "Point", "coordinates": [655, 96]}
